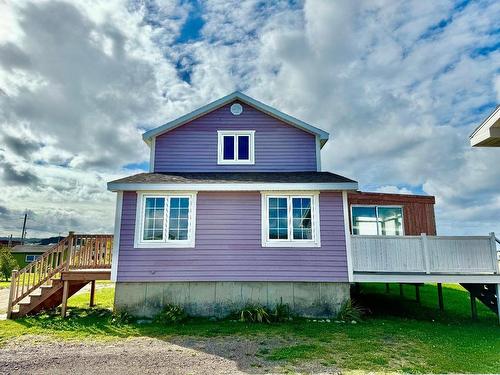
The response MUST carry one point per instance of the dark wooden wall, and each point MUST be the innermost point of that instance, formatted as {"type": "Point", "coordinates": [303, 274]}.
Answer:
{"type": "Point", "coordinates": [418, 210]}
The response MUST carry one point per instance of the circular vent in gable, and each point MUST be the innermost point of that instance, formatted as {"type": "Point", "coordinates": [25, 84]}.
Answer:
{"type": "Point", "coordinates": [236, 109]}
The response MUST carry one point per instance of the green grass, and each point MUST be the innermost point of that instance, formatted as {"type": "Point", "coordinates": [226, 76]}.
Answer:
{"type": "Point", "coordinates": [4, 284]}
{"type": "Point", "coordinates": [398, 335]}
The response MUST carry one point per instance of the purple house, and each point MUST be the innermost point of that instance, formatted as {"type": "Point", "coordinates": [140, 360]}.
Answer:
{"type": "Point", "coordinates": [235, 209]}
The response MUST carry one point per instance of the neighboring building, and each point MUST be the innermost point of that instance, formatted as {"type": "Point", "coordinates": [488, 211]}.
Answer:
{"type": "Point", "coordinates": [236, 209]}
{"type": "Point", "coordinates": [9, 242]}
{"type": "Point", "coordinates": [26, 254]}
{"type": "Point", "coordinates": [488, 133]}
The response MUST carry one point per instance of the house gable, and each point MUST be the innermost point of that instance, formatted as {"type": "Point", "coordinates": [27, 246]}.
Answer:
{"type": "Point", "coordinates": [236, 96]}
{"type": "Point", "coordinates": [192, 143]}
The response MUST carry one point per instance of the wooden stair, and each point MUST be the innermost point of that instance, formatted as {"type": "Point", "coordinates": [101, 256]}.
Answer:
{"type": "Point", "coordinates": [46, 297]}
{"type": "Point", "coordinates": [486, 293]}
{"type": "Point", "coordinates": [59, 273]}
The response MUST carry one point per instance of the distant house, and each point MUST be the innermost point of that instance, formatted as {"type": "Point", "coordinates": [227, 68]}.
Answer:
{"type": "Point", "coordinates": [26, 254]}
{"type": "Point", "coordinates": [488, 133]}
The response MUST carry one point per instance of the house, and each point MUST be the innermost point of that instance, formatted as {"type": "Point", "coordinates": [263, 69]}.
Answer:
{"type": "Point", "coordinates": [25, 254]}
{"type": "Point", "coordinates": [488, 133]}
{"type": "Point", "coordinates": [236, 209]}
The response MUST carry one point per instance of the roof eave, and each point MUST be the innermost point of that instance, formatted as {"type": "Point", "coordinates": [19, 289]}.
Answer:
{"type": "Point", "coordinates": [244, 186]}
{"type": "Point", "coordinates": [487, 131]}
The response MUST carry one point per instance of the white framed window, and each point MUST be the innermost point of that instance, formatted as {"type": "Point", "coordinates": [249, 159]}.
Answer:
{"type": "Point", "coordinates": [31, 258]}
{"type": "Point", "coordinates": [290, 220]}
{"type": "Point", "coordinates": [373, 220]}
{"type": "Point", "coordinates": [165, 220]}
{"type": "Point", "coordinates": [236, 147]}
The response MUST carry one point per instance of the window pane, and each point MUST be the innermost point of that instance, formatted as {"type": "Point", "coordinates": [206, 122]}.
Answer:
{"type": "Point", "coordinates": [228, 144]}
{"type": "Point", "coordinates": [364, 220]}
{"type": "Point", "coordinates": [243, 147]}
{"type": "Point", "coordinates": [302, 219]}
{"type": "Point", "coordinates": [153, 219]}
{"type": "Point", "coordinates": [178, 219]}
{"type": "Point", "coordinates": [278, 219]}
{"type": "Point", "coordinates": [390, 221]}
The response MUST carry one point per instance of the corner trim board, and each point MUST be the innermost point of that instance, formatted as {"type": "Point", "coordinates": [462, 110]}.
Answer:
{"type": "Point", "coordinates": [152, 151]}
{"type": "Point", "coordinates": [345, 209]}
{"type": "Point", "coordinates": [318, 154]}
{"type": "Point", "coordinates": [116, 237]}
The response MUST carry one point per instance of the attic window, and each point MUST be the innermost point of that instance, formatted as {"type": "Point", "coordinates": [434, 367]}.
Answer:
{"type": "Point", "coordinates": [236, 109]}
{"type": "Point", "coordinates": [236, 147]}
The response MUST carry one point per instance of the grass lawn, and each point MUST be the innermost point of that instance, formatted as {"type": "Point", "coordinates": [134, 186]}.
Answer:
{"type": "Point", "coordinates": [398, 335]}
{"type": "Point", "coordinates": [4, 284]}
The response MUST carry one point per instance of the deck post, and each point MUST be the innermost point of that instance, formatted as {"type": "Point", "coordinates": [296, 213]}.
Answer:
{"type": "Point", "coordinates": [473, 306]}
{"type": "Point", "coordinates": [425, 251]}
{"type": "Point", "coordinates": [417, 293]}
{"type": "Point", "coordinates": [498, 302]}
{"type": "Point", "coordinates": [496, 266]}
{"type": "Point", "coordinates": [64, 304]}
{"type": "Point", "coordinates": [11, 293]}
{"type": "Point", "coordinates": [69, 258]}
{"type": "Point", "coordinates": [387, 288]}
{"type": "Point", "coordinates": [92, 293]}
{"type": "Point", "coordinates": [440, 296]}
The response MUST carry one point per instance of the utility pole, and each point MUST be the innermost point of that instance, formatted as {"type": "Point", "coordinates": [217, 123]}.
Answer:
{"type": "Point", "coordinates": [10, 241]}
{"type": "Point", "coordinates": [24, 228]}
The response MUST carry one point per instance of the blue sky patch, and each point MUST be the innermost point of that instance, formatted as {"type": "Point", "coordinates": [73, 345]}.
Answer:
{"type": "Point", "coordinates": [135, 166]}
{"type": "Point", "coordinates": [191, 30]}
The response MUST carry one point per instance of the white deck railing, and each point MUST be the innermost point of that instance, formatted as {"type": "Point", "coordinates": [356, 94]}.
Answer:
{"type": "Point", "coordinates": [425, 254]}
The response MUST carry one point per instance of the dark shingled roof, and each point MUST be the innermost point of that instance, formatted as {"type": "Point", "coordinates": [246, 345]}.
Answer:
{"type": "Point", "coordinates": [233, 178]}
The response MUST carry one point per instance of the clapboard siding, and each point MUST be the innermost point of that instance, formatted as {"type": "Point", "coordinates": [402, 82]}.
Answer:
{"type": "Point", "coordinates": [418, 210]}
{"type": "Point", "coordinates": [228, 245]}
{"type": "Point", "coordinates": [192, 147]}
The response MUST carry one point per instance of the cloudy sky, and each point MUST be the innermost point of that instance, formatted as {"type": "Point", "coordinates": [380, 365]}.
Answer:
{"type": "Point", "coordinates": [399, 85]}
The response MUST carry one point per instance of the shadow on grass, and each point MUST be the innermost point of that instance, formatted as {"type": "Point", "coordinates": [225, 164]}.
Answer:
{"type": "Point", "coordinates": [392, 305]}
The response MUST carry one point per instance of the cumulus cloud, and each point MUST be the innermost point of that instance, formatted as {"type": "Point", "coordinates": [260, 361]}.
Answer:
{"type": "Point", "coordinates": [399, 85]}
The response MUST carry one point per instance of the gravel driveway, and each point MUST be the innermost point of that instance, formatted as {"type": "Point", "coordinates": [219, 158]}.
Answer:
{"type": "Point", "coordinates": [203, 356]}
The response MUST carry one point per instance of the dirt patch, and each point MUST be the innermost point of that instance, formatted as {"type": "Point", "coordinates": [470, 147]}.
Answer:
{"type": "Point", "coordinates": [203, 356]}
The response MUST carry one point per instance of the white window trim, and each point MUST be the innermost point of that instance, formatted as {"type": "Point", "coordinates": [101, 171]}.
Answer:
{"type": "Point", "coordinates": [290, 242]}
{"type": "Point", "coordinates": [376, 212]}
{"type": "Point", "coordinates": [35, 257]}
{"type": "Point", "coordinates": [235, 133]}
{"type": "Point", "coordinates": [165, 243]}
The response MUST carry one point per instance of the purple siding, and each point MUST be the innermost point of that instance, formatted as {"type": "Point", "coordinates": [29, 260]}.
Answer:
{"type": "Point", "coordinates": [193, 146]}
{"type": "Point", "coordinates": [228, 245]}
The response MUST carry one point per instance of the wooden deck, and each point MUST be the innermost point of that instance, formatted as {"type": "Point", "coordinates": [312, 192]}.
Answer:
{"type": "Point", "coordinates": [417, 259]}
{"type": "Point", "coordinates": [471, 261]}
{"type": "Point", "coordinates": [60, 272]}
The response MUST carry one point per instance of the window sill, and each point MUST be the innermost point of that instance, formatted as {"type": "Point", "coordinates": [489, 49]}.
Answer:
{"type": "Point", "coordinates": [235, 162]}
{"type": "Point", "coordinates": [164, 245]}
{"type": "Point", "coordinates": [305, 244]}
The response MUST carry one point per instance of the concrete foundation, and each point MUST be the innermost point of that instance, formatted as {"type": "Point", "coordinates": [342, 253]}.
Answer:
{"type": "Point", "coordinates": [309, 299]}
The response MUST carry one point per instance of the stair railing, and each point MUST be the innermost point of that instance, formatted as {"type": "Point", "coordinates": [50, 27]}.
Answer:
{"type": "Point", "coordinates": [91, 251]}
{"type": "Point", "coordinates": [74, 252]}
{"type": "Point", "coordinates": [38, 272]}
